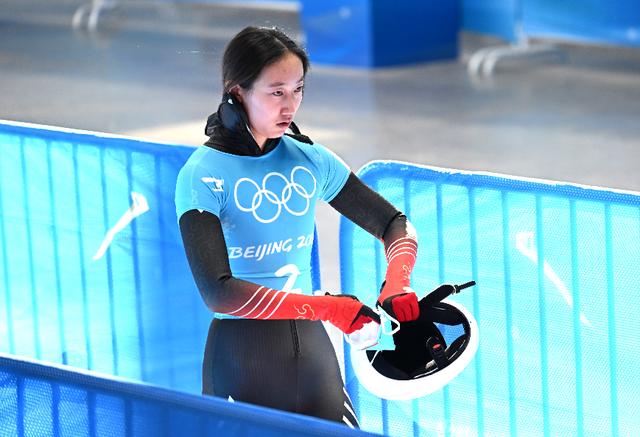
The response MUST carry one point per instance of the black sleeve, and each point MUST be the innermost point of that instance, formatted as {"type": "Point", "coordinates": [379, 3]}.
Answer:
{"type": "Point", "coordinates": [369, 210]}
{"type": "Point", "coordinates": [206, 252]}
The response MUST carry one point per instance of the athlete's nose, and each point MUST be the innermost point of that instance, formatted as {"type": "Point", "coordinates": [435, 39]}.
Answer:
{"type": "Point", "coordinates": [289, 104]}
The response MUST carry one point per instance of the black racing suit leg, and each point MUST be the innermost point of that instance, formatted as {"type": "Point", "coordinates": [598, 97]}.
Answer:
{"type": "Point", "coordinates": [289, 365]}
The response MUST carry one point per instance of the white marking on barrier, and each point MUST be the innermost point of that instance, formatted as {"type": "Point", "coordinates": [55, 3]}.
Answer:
{"type": "Point", "coordinates": [138, 207]}
{"type": "Point", "coordinates": [526, 245]}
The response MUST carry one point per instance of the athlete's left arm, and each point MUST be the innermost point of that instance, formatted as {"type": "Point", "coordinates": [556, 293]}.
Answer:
{"type": "Point", "coordinates": [376, 215]}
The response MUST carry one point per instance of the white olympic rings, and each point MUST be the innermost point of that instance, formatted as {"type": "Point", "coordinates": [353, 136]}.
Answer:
{"type": "Point", "coordinates": [272, 197]}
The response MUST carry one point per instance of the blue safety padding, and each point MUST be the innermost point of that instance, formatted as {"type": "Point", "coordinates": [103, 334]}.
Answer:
{"type": "Point", "coordinates": [135, 310]}
{"type": "Point", "coordinates": [614, 22]}
{"type": "Point", "coordinates": [268, 3]}
{"type": "Point", "coordinates": [556, 301]}
{"type": "Point", "coordinates": [493, 17]}
{"type": "Point", "coordinates": [365, 33]}
{"type": "Point", "coordinates": [41, 399]}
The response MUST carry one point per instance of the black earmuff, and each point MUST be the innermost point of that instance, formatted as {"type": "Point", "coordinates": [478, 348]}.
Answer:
{"type": "Point", "coordinates": [232, 114]}
{"type": "Point", "coordinates": [233, 117]}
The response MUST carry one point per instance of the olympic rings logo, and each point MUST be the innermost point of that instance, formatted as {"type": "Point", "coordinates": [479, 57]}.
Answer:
{"type": "Point", "coordinates": [262, 193]}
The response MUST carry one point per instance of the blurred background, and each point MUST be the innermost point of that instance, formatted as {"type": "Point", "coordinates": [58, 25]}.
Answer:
{"type": "Point", "coordinates": [559, 100]}
{"type": "Point", "coordinates": [528, 88]}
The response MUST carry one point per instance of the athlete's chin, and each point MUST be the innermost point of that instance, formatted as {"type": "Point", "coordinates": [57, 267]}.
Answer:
{"type": "Point", "coordinates": [276, 133]}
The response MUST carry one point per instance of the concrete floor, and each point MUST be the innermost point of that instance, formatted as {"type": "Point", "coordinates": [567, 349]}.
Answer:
{"type": "Point", "coordinates": [152, 71]}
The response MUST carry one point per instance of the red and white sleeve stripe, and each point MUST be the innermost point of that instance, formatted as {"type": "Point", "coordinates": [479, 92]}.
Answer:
{"type": "Point", "coordinates": [401, 257]}
{"type": "Point", "coordinates": [263, 304]}
{"type": "Point", "coordinates": [266, 303]}
{"type": "Point", "coordinates": [403, 246]}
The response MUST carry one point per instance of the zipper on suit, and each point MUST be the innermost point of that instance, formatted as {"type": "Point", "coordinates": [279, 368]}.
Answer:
{"type": "Point", "coordinates": [294, 336]}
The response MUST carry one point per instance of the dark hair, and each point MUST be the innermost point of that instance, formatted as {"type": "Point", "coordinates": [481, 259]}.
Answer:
{"type": "Point", "coordinates": [253, 49]}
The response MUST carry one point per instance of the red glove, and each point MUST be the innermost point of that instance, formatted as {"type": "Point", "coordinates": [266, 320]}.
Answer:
{"type": "Point", "coordinates": [396, 296]}
{"type": "Point", "coordinates": [345, 312]}
{"type": "Point", "coordinates": [345, 305]}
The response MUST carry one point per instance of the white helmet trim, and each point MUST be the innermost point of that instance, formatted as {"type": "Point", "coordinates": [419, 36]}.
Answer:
{"type": "Point", "coordinates": [394, 389]}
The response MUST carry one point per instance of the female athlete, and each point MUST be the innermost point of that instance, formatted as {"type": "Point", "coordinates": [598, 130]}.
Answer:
{"type": "Point", "coordinates": [245, 202]}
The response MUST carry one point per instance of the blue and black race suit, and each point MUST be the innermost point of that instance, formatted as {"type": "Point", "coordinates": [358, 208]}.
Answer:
{"type": "Point", "coordinates": [246, 217]}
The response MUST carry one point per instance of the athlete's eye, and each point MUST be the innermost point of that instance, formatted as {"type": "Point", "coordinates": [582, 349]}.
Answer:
{"type": "Point", "coordinates": [277, 93]}
{"type": "Point", "coordinates": [299, 89]}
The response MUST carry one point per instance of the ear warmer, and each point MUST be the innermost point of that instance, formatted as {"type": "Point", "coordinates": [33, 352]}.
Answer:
{"type": "Point", "coordinates": [232, 114]}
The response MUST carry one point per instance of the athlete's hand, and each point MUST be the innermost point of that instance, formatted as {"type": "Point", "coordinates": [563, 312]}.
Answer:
{"type": "Point", "coordinates": [346, 312]}
{"type": "Point", "coordinates": [401, 304]}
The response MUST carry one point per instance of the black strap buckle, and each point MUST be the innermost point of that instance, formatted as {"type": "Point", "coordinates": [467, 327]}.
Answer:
{"type": "Point", "coordinates": [437, 350]}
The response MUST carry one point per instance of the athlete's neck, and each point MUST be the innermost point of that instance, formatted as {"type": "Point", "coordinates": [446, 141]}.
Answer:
{"type": "Point", "coordinates": [261, 142]}
{"type": "Point", "coordinates": [259, 139]}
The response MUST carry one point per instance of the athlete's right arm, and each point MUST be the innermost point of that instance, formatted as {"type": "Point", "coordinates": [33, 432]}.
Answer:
{"type": "Point", "coordinates": [206, 252]}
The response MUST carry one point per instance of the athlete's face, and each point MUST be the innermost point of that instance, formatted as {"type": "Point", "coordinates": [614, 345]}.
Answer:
{"type": "Point", "coordinates": [274, 99]}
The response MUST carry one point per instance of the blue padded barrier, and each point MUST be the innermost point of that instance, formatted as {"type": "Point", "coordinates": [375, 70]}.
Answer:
{"type": "Point", "coordinates": [366, 33]}
{"type": "Point", "coordinates": [494, 17]}
{"type": "Point", "coordinates": [134, 311]}
{"type": "Point", "coordinates": [592, 21]}
{"type": "Point", "coordinates": [614, 22]}
{"type": "Point", "coordinates": [92, 269]}
{"type": "Point", "coordinates": [40, 399]}
{"type": "Point", "coordinates": [557, 267]}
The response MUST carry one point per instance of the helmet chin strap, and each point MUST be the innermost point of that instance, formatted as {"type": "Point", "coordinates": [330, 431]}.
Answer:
{"type": "Point", "coordinates": [386, 316]}
{"type": "Point", "coordinates": [369, 334]}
